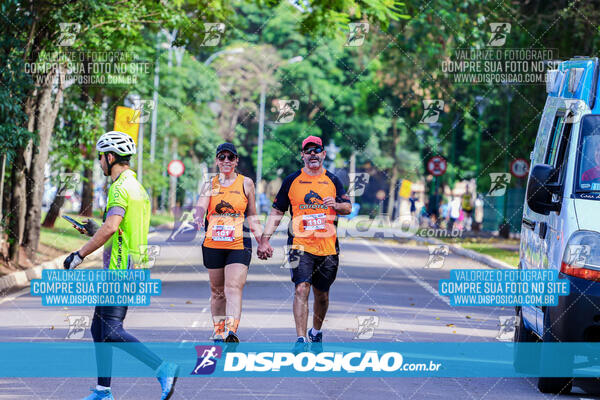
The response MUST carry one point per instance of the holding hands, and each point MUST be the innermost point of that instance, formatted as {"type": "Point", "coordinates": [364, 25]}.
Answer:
{"type": "Point", "coordinates": [264, 250]}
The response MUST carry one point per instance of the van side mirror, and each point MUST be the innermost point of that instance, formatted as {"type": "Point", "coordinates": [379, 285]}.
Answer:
{"type": "Point", "coordinates": [540, 189]}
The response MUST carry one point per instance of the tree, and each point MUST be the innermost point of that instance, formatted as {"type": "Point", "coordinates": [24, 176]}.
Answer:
{"type": "Point", "coordinates": [92, 25]}
{"type": "Point", "coordinates": [76, 130]}
{"type": "Point", "coordinates": [102, 28]}
{"type": "Point", "coordinates": [14, 135]}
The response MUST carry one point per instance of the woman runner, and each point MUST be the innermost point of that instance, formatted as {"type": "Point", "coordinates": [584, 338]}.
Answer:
{"type": "Point", "coordinates": [229, 204]}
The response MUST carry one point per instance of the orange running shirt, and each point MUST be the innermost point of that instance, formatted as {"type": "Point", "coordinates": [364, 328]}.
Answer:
{"type": "Point", "coordinates": [313, 225]}
{"type": "Point", "coordinates": [226, 215]}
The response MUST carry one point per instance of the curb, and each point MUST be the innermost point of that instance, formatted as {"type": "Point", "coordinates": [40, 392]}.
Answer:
{"type": "Point", "coordinates": [22, 279]}
{"type": "Point", "coordinates": [472, 254]}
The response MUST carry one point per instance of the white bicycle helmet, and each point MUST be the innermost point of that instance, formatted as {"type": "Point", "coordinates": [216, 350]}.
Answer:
{"type": "Point", "coordinates": [117, 142]}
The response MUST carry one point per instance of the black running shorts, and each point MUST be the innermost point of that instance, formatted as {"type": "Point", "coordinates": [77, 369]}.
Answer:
{"type": "Point", "coordinates": [319, 271]}
{"type": "Point", "coordinates": [219, 258]}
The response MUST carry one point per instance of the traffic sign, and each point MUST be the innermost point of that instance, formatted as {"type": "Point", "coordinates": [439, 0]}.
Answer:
{"type": "Point", "coordinates": [123, 118]}
{"type": "Point", "coordinates": [176, 168]}
{"type": "Point", "coordinates": [404, 190]}
{"type": "Point", "coordinates": [437, 165]}
{"type": "Point", "coordinates": [519, 167]}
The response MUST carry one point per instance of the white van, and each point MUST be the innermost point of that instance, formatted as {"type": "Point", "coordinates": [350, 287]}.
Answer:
{"type": "Point", "coordinates": [561, 216]}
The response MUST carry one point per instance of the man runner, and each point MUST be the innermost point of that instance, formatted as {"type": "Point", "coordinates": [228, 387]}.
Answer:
{"type": "Point", "coordinates": [125, 233]}
{"type": "Point", "coordinates": [314, 198]}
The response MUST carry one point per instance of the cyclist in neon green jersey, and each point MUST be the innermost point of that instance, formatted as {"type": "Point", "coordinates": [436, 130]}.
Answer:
{"type": "Point", "coordinates": [127, 193]}
{"type": "Point", "coordinates": [125, 233]}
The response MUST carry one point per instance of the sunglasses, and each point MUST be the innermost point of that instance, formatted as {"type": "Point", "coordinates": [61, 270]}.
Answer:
{"type": "Point", "coordinates": [316, 150]}
{"type": "Point", "coordinates": [230, 157]}
{"type": "Point", "coordinates": [100, 154]}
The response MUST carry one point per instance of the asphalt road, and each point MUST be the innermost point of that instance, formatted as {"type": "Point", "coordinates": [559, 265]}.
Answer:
{"type": "Point", "coordinates": [379, 278]}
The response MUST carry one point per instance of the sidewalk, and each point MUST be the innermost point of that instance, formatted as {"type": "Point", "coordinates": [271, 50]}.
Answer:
{"type": "Point", "coordinates": [472, 254]}
{"type": "Point", "coordinates": [21, 279]}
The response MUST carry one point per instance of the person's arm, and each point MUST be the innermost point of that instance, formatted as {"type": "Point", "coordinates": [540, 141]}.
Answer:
{"type": "Point", "coordinates": [202, 203]}
{"type": "Point", "coordinates": [342, 208]}
{"type": "Point", "coordinates": [255, 226]}
{"type": "Point", "coordinates": [265, 250]}
{"type": "Point", "coordinates": [108, 228]}
{"type": "Point", "coordinates": [341, 203]}
{"type": "Point", "coordinates": [281, 203]}
{"type": "Point", "coordinates": [272, 223]}
{"type": "Point", "coordinates": [102, 235]}
{"type": "Point", "coordinates": [118, 201]}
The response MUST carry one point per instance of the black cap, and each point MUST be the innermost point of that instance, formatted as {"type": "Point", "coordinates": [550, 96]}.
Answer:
{"type": "Point", "coordinates": [227, 147]}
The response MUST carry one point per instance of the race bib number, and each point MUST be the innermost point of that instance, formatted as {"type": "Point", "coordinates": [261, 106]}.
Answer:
{"type": "Point", "coordinates": [314, 222]}
{"type": "Point", "coordinates": [223, 233]}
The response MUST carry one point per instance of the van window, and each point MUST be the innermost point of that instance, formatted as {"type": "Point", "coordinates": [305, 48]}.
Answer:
{"type": "Point", "coordinates": [589, 155]}
{"type": "Point", "coordinates": [558, 145]}
{"type": "Point", "coordinates": [554, 140]}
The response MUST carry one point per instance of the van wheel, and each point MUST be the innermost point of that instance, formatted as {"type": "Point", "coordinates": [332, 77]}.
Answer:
{"type": "Point", "coordinates": [555, 385]}
{"type": "Point", "coordinates": [549, 358]}
{"type": "Point", "coordinates": [526, 358]}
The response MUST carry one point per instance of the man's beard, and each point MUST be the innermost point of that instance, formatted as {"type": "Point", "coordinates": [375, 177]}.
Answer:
{"type": "Point", "coordinates": [314, 158]}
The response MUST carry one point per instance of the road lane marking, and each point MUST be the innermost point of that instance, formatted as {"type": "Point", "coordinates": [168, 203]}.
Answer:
{"type": "Point", "coordinates": [480, 332]}
{"type": "Point", "coordinates": [409, 275]}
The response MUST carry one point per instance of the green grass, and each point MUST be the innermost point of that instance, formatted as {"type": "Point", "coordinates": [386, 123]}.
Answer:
{"type": "Point", "coordinates": [61, 239]}
{"type": "Point", "coordinates": [508, 256]}
{"type": "Point", "coordinates": [161, 219]}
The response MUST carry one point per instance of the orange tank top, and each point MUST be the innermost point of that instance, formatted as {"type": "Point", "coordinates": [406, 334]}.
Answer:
{"type": "Point", "coordinates": [225, 216]}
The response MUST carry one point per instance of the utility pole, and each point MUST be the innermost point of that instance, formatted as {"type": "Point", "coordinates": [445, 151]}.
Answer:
{"type": "Point", "coordinates": [509, 96]}
{"type": "Point", "coordinates": [481, 105]}
{"type": "Point", "coordinates": [163, 194]}
{"type": "Point", "coordinates": [261, 129]}
{"type": "Point", "coordinates": [140, 153]}
{"type": "Point", "coordinates": [352, 174]}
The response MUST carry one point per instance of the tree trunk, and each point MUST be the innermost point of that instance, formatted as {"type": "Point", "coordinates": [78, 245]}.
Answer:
{"type": "Point", "coordinates": [54, 211]}
{"type": "Point", "coordinates": [395, 173]}
{"type": "Point", "coordinates": [87, 192]}
{"type": "Point", "coordinates": [17, 207]}
{"type": "Point", "coordinates": [392, 192]}
{"type": "Point", "coordinates": [18, 195]}
{"type": "Point", "coordinates": [46, 109]}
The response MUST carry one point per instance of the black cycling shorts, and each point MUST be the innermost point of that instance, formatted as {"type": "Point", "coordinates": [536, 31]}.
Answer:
{"type": "Point", "coordinates": [219, 258]}
{"type": "Point", "coordinates": [319, 271]}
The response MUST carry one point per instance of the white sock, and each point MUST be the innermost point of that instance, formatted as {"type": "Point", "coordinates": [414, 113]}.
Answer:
{"type": "Point", "coordinates": [99, 387]}
{"type": "Point", "coordinates": [314, 331]}
{"type": "Point", "coordinates": [303, 337]}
